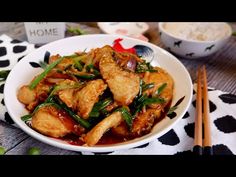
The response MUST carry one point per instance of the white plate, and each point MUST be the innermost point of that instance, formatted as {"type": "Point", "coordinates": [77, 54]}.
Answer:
{"type": "Point", "coordinates": [23, 73]}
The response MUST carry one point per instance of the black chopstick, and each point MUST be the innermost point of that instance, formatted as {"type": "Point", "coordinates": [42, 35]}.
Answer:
{"type": "Point", "coordinates": [197, 150]}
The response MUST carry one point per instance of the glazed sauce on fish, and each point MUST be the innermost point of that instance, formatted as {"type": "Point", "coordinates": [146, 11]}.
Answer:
{"type": "Point", "coordinates": [73, 139]}
{"type": "Point", "coordinates": [164, 113]}
{"type": "Point", "coordinates": [109, 137]}
{"type": "Point", "coordinates": [70, 123]}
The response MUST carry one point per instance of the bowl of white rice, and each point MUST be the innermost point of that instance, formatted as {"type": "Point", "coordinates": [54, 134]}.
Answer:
{"type": "Point", "coordinates": [194, 39]}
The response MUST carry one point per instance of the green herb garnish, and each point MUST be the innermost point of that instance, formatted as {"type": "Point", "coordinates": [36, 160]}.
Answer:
{"type": "Point", "coordinates": [143, 67]}
{"type": "Point", "coordinates": [161, 88]}
{"type": "Point", "coordinates": [48, 69]}
{"type": "Point", "coordinates": [91, 68]}
{"type": "Point", "coordinates": [43, 74]}
{"type": "Point", "coordinates": [171, 110]}
{"type": "Point", "coordinates": [29, 116]}
{"type": "Point", "coordinates": [100, 107]}
{"type": "Point", "coordinates": [141, 83]}
{"type": "Point", "coordinates": [85, 76]}
{"type": "Point", "coordinates": [76, 117]}
{"type": "Point", "coordinates": [62, 87]}
{"type": "Point", "coordinates": [147, 86]}
{"type": "Point", "coordinates": [43, 64]}
{"type": "Point", "coordinates": [126, 115]}
{"type": "Point", "coordinates": [143, 101]}
{"type": "Point", "coordinates": [78, 65]}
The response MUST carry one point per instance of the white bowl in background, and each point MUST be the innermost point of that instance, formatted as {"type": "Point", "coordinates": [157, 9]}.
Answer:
{"type": "Point", "coordinates": [191, 48]}
{"type": "Point", "coordinates": [130, 29]}
{"type": "Point", "coordinates": [67, 46]}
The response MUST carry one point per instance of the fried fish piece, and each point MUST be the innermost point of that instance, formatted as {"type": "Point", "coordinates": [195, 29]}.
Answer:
{"type": "Point", "coordinates": [47, 122]}
{"type": "Point", "coordinates": [30, 98]}
{"type": "Point", "coordinates": [67, 95]}
{"type": "Point", "coordinates": [94, 135]}
{"type": "Point", "coordinates": [25, 95]}
{"type": "Point", "coordinates": [97, 54]}
{"type": "Point", "coordinates": [88, 96]}
{"type": "Point", "coordinates": [144, 122]}
{"type": "Point", "coordinates": [159, 78]}
{"type": "Point", "coordinates": [124, 85]}
{"type": "Point", "coordinates": [141, 125]}
{"type": "Point", "coordinates": [121, 130]}
{"type": "Point", "coordinates": [63, 64]}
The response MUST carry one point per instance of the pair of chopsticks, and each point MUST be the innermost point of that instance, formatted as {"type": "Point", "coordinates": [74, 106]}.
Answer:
{"type": "Point", "coordinates": [202, 146]}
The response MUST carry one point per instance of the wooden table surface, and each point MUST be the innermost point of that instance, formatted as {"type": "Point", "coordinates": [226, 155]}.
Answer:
{"type": "Point", "coordinates": [221, 68]}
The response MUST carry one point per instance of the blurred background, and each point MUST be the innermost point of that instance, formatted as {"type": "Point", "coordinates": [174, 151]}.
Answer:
{"type": "Point", "coordinates": [17, 30]}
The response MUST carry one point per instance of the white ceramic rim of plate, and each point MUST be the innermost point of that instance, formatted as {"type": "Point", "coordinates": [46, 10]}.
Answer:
{"type": "Point", "coordinates": [161, 29]}
{"type": "Point", "coordinates": [114, 147]}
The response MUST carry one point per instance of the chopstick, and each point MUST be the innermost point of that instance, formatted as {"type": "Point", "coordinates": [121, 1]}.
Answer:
{"type": "Point", "coordinates": [206, 117]}
{"type": "Point", "coordinates": [197, 149]}
{"type": "Point", "coordinates": [202, 117]}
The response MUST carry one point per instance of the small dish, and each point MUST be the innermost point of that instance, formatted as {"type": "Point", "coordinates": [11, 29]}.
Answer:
{"type": "Point", "coordinates": [131, 29]}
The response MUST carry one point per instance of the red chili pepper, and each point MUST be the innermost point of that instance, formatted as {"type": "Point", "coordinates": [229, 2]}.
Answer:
{"type": "Point", "coordinates": [119, 48]}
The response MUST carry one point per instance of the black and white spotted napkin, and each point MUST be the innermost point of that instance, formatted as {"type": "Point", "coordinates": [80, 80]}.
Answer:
{"type": "Point", "coordinates": [11, 51]}
{"type": "Point", "coordinates": [178, 140]}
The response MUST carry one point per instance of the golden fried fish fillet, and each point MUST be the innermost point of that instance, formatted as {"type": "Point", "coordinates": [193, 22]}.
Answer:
{"type": "Point", "coordinates": [121, 130]}
{"type": "Point", "coordinates": [141, 125]}
{"type": "Point", "coordinates": [94, 135]}
{"type": "Point", "coordinates": [63, 64]}
{"type": "Point", "coordinates": [144, 122]}
{"type": "Point", "coordinates": [47, 122]}
{"type": "Point", "coordinates": [32, 97]}
{"type": "Point", "coordinates": [159, 78]}
{"type": "Point", "coordinates": [67, 95]}
{"type": "Point", "coordinates": [88, 96]}
{"type": "Point", "coordinates": [123, 84]}
{"type": "Point", "coordinates": [25, 95]}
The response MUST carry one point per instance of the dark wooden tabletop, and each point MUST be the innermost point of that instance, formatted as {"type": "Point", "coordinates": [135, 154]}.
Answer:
{"type": "Point", "coordinates": [221, 68]}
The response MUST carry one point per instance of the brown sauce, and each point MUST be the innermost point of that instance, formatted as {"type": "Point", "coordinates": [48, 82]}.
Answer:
{"type": "Point", "coordinates": [163, 115]}
{"type": "Point", "coordinates": [107, 139]}
{"type": "Point", "coordinates": [72, 139]}
{"type": "Point", "coordinates": [110, 138]}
